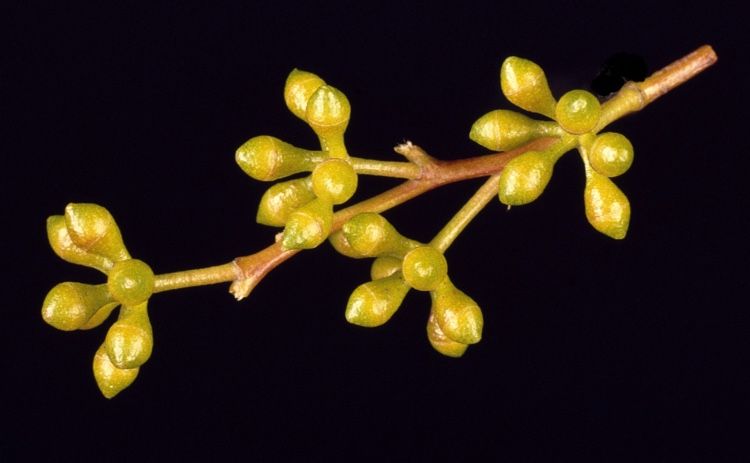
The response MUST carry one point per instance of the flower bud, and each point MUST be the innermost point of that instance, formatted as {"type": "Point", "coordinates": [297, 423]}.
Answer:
{"type": "Point", "coordinates": [384, 266]}
{"type": "Point", "coordinates": [424, 268]}
{"type": "Point", "coordinates": [334, 180]}
{"type": "Point", "coordinates": [611, 154]}
{"type": "Point", "coordinates": [578, 111]}
{"type": "Point", "coordinates": [503, 130]}
{"type": "Point", "coordinates": [458, 316]}
{"type": "Point", "coordinates": [281, 199]}
{"type": "Point", "coordinates": [93, 229]}
{"type": "Point", "coordinates": [267, 158]}
{"type": "Point", "coordinates": [341, 245]}
{"type": "Point", "coordinates": [309, 225]}
{"type": "Point", "coordinates": [374, 303]}
{"type": "Point", "coordinates": [63, 245]}
{"type": "Point", "coordinates": [441, 342]}
{"type": "Point", "coordinates": [524, 84]}
{"type": "Point", "coordinates": [130, 339]}
{"type": "Point", "coordinates": [69, 306]}
{"type": "Point", "coordinates": [607, 208]}
{"type": "Point", "coordinates": [110, 379]}
{"type": "Point", "coordinates": [300, 85]}
{"type": "Point", "coordinates": [131, 281]}
{"type": "Point", "coordinates": [328, 113]}
{"type": "Point", "coordinates": [525, 177]}
{"type": "Point", "coordinates": [370, 234]}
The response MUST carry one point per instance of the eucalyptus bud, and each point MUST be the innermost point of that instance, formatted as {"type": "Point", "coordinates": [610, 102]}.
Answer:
{"type": "Point", "coordinates": [524, 84]}
{"type": "Point", "coordinates": [525, 177]}
{"type": "Point", "coordinates": [611, 154]}
{"type": "Point", "coordinates": [328, 113]}
{"type": "Point", "coordinates": [267, 158]}
{"type": "Point", "coordinates": [441, 342]}
{"type": "Point", "coordinates": [370, 234]}
{"type": "Point", "coordinates": [300, 85]}
{"type": "Point", "coordinates": [130, 339]}
{"type": "Point", "coordinates": [458, 316]}
{"type": "Point", "coordinates": [334, 180]}
{"type": "Point", "coordinates": [110, 379]}
{"type": "Point", "coordinates": [93, 229]}
{"type": "Point", "coordinates": [374, 303]}
{"type": "Point", "coordinates": [341, 245]}
{"type": "Point", "coordinates": [607, 207]}
{"type": "Point", "coordinates": [281, 199]}
{"type": "Point", "coordinates": [131, 282]}
{"type": "Point", "coordinates": [384, 266]}
{"type": "Point", "coordinates": [63, 245]}
{"type": "Point", "coordinates": [309, 225]}
{"type": "Point", "coordinates": [578, 111]}
{"type": "Point", "coordinates": [70, 306]}
{"type": "Point", "coordinates": [424, 268]}
{"type": "Point", "coordinates": [503, 130]}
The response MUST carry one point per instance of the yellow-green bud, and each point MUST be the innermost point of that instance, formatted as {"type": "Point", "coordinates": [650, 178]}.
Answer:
{"type": "Point", "coordinates": [524, 84]}
{"type": "Point", "coordinates": [110, 379]}
{"type": "Point", "coordinates": [611, 154]}
{"type": "Point", "coordinates": [578, 111]}
{"type": "Point", "coordinates": [503, 130]}
{"type": "Point", "coordinates": [328, 113]}
{"type": "Point", "coordinates": [63, 245]}
{"type": "Point", "coordinates": [281, 199]}
{"type": "Point", "coordinates": [384, 266]}
{"type": "Point", "coordinates": [370, 234]}
{"type": "Point", "coordinates": [525, 177]}
{"type": "Point", "coordinates": [442, 343]}
{"type": "Point", "coordinates": [300, 85]}
{"type": "Point", "coordinates": [334, 180]}
{"type": "Point", "coordinates": [458, 316]}
{"type": "Point", "coordinates": [341, 245]}
{"type": "Point", "coordinates": [374, 303]}
{"type": "Point", "coordinates": [267, 158]}
{"type": "Point", "coordinates": [607, 208]}
{"type": "Point", "coordinates": [93, 229]}
{"type": "Point", "coordinates": [309, 225]}
{"type": "Point", "coordinates": [424, 268]}
{"type": "Point", "coordinates": [100, 316]}
{"type": "Point", "coordinates": [69, 306]}
{"type": "Point", "coordinates": [130, 339]}
{"type": "Point", "coordinates": [131, 281]}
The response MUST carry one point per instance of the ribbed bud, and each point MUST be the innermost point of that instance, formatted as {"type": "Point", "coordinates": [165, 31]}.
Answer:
{"type": "Point", "coordinates": [525, 177]}
{"type": "Point", "coordinates": [607, 207]}
{"type": "Point", "coordinates": [281, 199]}
{"type": "Point", "coordinates": [110, 379]}
{"type": "Point", "coordinates": [458, 316]}
{"type": "Point", "coordinates": [69, 306]}
{"type": "Point", "coordinates": [370, 234]}
{"type": "Point", "coordinates": [93, 229]}
{"type": "Point", "coordinates": [63, 245]}
{"type": "Point", "coordinates": [130, 339]}
{"type": "Point", "coordinates": [309, 225]}
{"type": "Point", "coordinates": [374, 303]}
{"type": "Point", "coordinates": [503, 130]}
{"type": "Point", "coordinates": [131, 282]}
{"type": "Point", "coordinates": [524, 84]}
{"type": "Point", "coordinates": [300, 85]}
{"type": "Point", "coordinates": [442, 343]}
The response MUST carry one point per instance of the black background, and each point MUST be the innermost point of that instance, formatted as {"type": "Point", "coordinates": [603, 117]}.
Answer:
{"type": "Point", "coordinates": [593, 349]}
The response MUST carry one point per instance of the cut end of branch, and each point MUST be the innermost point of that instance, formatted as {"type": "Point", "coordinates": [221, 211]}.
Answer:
{"type": "Point", "coordinates": [414, 154]}
{"type": "Point", "coordinates": [240, 289]}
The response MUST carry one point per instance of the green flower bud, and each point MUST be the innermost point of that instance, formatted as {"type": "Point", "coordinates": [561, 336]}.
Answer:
{"type": "Point", "coordinates": [93, 229]}
{"type": "Point", "coordinates": [578, 111]}
{"type": "Point", "coordinates": [503, 130]}
{"type": "Point", "coordinates": [374, 303]}
{"type": "Point", "coordinates": [525, 177]}
{"type": "Point", "coordinates": [131, 281]}
{"type": "Point", "coordinates": [441, 342]}
{"type": "Point", "coordinates": [328, 113]}
{"type": "Point", "coordinates": [110, 379]}
{"type": "Point", "coordinates": [371, 235]}
{"type": "Point", "coordinates": [130, 339]}
{"type": "Point", "coordinates": [334, 180]}
{"type": "Point", "coordinates": [309, 225]}
{"type": "Point", "coordinates": [100, 316]}
{"type": "Point", "coordinates": [524, 84]}
{"type": "Point", "coordinates": [611, 154]}
{"type": "Point", "coordinates": [607, 208]}
{"type": "Point", "coordinates": [300, 85]}
{"type": "Point", "coordinates": [63, 245]}
{"type": "Point", "coordinates": [458, 316]}
{"type": "Point", "coordinates": [384, 266]}
{"type": "Point", "coordinates": [281, 199]}
{"type": "Point", "coordinates": [424, 268]}
{"type": "Point", "coordinates": [267, 158]}
{"type": "Point", "coordinates": [69, 306]}
{"type": "Point", "coordinates": [341, 245]}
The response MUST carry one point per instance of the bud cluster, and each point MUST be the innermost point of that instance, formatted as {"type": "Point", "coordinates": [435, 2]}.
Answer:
{"type": "Point", "coordinates": [88, 235]}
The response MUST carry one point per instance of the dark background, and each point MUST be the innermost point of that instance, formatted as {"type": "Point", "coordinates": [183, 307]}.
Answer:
{"type": "Point", "coordinates": [593, 349]}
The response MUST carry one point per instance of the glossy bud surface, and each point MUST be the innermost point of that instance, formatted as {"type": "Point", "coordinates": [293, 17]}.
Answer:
{"type": "Point", "coordinates": [424, 268]}
{"type": "Point", "coordinates": [69, 306]}
{"type": "Point", "coordinates": [110, 379]}
{"type": "Point", "coordinates": [334, 180]}
{"type": "Point", "coordinates": [578, 111]}
{"type": "Point", "coordinates": [267, 158]}
{"type": "Point", "coordinates": [130, 339]}
{"type": "Point", "coordinates": [607, 207]}
{"type": "Point", "coordinates": [309, 225]}
{"type": "Point", "coordinates": [525, 177]}
{"type": "Point", "coordinates": [442, 343]}
{"type": "Point", "coordinates": [300, 85]}
{"type": "Point", "coordinates": [503, 130]}
{"type": "Point", "coordinates": [93, 229]}
{"type": "Point", "coordinates": [283, 198]}
{"type": "Point", "coordinates": [524, 84]}
{"type": "Point", "coordinates": [63, 246]}
{"type": "Point", "coordinates": [458, 316]}
{"type": "Point", "coordinates": [131, 281]}
{"type": "Point", "coordinates": [374, 303]}
{"type": "Point", "coordinates": [371, 235]}
{"type": "Point", "coordinates": [611, 154]}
